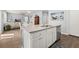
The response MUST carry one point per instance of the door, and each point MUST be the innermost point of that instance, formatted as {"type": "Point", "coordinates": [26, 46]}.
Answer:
{"type": "Point", "coordinates": [74, 22]}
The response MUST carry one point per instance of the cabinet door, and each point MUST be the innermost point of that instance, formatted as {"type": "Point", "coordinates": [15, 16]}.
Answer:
{"type": "Point", "coordinates": [42, 40]}
{"type": "Point", "coordinates": [39, 41]}
{"type": "Point", "coordinates": [54, 34]}
{"type": "Point", "coordinates": [49, 37]}
{"type": "Point", "coordinates": [25, 38]}
{"type": "Point", "coordinates": [35, 43]}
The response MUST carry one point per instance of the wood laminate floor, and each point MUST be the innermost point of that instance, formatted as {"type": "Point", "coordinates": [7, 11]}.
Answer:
{"type": "Point", "coordinates": [66, 41]}
{"type": "Point", "coordinates": [11, 43]}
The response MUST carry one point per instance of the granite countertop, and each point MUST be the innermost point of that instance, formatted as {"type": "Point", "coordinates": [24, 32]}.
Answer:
{"type": "Point", "coordinates": [35, 28]}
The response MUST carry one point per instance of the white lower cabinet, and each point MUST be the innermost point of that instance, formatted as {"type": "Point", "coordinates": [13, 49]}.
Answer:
{"type": "Point", "coordinates": [49, 37]}
{"type": "Point", "coordinates": [54, 35]}
{"type": "Point", "coordinates": [35, 43]}
{"type": "Point", "coordinates": [39, 39]}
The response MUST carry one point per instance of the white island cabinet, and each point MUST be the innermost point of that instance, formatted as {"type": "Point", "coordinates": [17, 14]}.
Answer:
{"type": "Point", "coordinates": [51, 36]}
{"type": "Point", "coordinates": [38, 39]}
{"type": "Point", "coordinates": [42, 38]}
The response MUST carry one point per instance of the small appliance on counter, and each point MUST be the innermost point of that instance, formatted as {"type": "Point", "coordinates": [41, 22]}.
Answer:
{"type": "Point", "coordinates": [36, 20]}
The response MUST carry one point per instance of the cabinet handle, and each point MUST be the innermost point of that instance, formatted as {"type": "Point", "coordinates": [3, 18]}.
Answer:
{"type": "Point", "coordinates": [40, 38]}
{"type": "Point", "coordinates": [40, 34]}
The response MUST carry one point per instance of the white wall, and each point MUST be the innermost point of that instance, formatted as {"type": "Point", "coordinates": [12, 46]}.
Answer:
{"type": "Point", "coordinates": [74, 22]}
{"type": "Point", "coordinates": [1, 22]}
{"type": "Point", "coordinates": [4, 17]}
{"type": "Point", "coordinates": [66, 22]}
{"type": "Point", "coordinates": [71, 22]}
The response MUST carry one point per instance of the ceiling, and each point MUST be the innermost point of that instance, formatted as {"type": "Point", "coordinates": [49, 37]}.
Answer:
{"type": "Point", "coordinates": [19, 11]}
{"type": "Point", "coordinates": [23, 11]}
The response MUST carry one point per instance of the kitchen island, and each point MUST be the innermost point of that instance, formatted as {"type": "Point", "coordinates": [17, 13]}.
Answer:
{"type": "Point", "coordinates": [38, 36]}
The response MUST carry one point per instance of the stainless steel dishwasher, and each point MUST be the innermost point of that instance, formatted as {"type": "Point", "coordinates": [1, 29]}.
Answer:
{"type": "Point", "coordinates": [58, 29]}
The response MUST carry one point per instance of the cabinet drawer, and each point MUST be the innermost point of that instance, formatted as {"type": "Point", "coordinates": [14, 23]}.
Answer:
{"type": "Point", "coordinates": [51, 29]}
{"type": "Point", "coordinates": [36, 34]}
{"type": "Point", "coordinates": [39, 38]}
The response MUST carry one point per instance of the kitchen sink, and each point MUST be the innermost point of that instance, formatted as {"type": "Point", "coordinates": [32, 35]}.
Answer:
{"type": "Point", "coordinates": [46, 26]}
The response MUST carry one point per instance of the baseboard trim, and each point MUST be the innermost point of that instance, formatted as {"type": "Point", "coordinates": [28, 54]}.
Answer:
{"type": "Point", "coordinates": [73, 35]}
{"type": "Point", "coordinates": [65, 33]}
{"type": "Point", "coordinates": [69, 34]}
